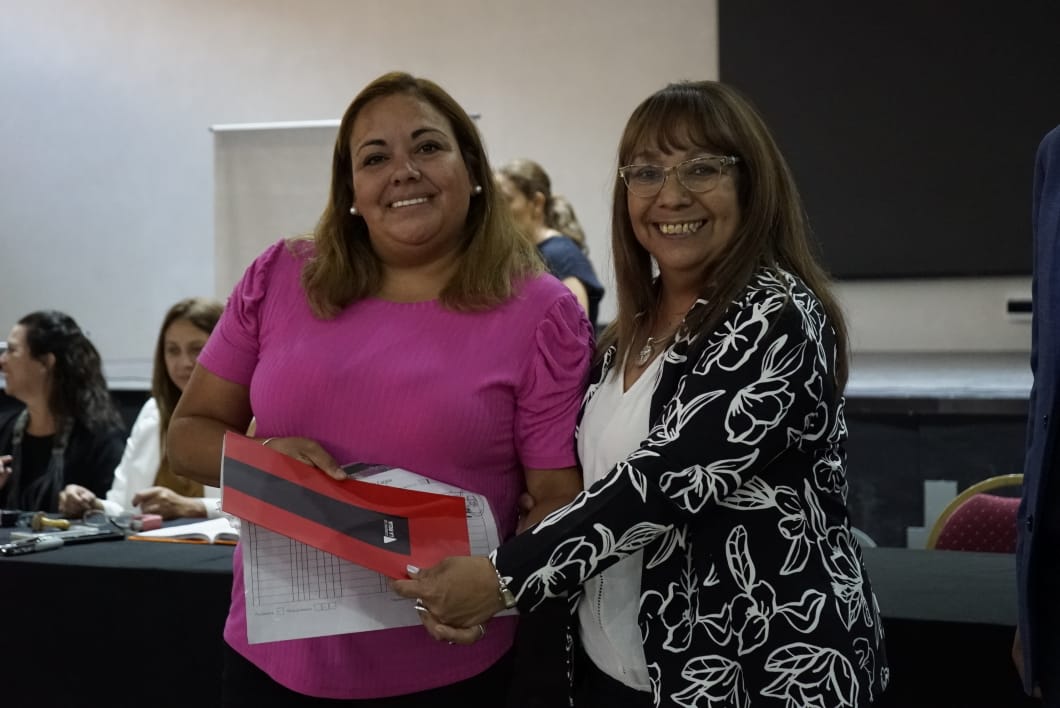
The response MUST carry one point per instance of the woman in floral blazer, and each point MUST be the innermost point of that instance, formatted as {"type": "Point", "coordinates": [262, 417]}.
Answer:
{"type": "Point", "coordinates": [710, 561]}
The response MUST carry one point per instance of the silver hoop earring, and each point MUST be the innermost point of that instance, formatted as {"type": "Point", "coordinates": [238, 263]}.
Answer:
{"type": "Point", "coordinates": [353, 211]}
{"type": "Point", "coordinates": [477, 189]}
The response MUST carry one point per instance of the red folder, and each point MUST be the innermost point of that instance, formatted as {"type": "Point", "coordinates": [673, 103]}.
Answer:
{"type": "Point", "coordinates": [372, 525]}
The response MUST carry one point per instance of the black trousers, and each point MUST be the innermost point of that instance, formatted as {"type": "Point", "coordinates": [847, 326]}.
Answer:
{"type": "Point", "coordinates": [1047, 657]}
{"type": "Point", "coordinates": [540, 671]}
{"type": "Point", "coordinates": [244, 685]}
{"type": "Point", "coordinates": [1047, 649]}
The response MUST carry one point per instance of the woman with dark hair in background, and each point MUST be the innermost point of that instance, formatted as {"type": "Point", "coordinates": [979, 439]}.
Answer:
{"type": "Point", "coordinates": [548, 220]}
{"type": "Point", "coordinates": [70, 430]}
{"type": "Point", "coordinates": [143, 481]}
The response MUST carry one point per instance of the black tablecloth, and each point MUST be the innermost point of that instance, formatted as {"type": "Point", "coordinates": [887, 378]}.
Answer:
{"type": "Point", "coordinates": [130, 623]}
{"type": "Point", "coordinates": [114, 623]}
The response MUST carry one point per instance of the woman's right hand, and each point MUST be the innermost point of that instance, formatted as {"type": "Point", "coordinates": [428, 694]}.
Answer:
{"type": "Point", "coordinates": [459, 592]}
{"type": "Point", "coordinates": [75, 500]}
{"type": "Point", "coordinates": [307, 451]}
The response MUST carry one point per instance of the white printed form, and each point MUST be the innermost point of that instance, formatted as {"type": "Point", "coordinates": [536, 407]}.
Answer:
{"type": "Point", "coordinates": [294, 590]}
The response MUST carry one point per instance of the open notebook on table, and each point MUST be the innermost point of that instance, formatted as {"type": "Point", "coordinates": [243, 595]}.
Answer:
{"type": "Point", "coordinates": [219, 530]}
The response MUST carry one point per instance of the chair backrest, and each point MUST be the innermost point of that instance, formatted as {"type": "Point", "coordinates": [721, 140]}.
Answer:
{"type": "Point", "coordinates": [977, 521]}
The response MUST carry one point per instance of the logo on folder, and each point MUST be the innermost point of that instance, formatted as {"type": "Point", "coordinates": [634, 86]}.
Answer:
{"type": "Point", "coordinates": [341, 517]}
{"type": "Point", "coordinates": [388, 531]}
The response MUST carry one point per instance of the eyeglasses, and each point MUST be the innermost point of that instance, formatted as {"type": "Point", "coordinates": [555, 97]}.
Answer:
{"type": "Point", "coordinates": [700, 174]}
{"type": "Point", "coordinates": [100, 519]}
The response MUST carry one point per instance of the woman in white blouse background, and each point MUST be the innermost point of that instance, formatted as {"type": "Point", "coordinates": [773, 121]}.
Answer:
{"type": "Point", "coordinates": [143, 481]}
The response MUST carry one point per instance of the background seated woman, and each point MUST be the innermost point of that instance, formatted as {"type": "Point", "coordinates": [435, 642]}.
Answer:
{"type": "Point", "coordinates": [70, 430]}
{"type": "Point", "coordinates": [143, 481]}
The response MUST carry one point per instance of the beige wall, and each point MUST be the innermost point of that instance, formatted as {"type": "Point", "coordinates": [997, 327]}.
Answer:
{"type": "Point", "coordinates": [106, 181]}
{"type": "Point", "coordinates": [106, 208]}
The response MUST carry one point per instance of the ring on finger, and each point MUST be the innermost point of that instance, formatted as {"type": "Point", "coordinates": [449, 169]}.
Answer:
{"type": "Point", "coordinates": [420, 607]}
{"type": "Point", "coordinates": [481, 631]}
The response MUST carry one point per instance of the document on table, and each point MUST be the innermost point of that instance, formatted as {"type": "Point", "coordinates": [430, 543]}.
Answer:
{"type": "Point", "coordinates": [294, 591]}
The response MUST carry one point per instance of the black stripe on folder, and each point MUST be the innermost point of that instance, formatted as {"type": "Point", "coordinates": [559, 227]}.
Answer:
{"type": "Point", "coordinates": [385, 531]}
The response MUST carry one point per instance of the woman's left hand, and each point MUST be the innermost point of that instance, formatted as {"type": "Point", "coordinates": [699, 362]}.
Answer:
{"type": "Point", "coordinates": [167, 503]}
{"type": "Point", "coordinates": [309, 452]}
{"type": "Point", "coordinates": [458, 594]}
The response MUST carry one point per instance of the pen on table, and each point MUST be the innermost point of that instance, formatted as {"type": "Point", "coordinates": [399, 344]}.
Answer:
{"type": "Point", "coordinates": [47, 543]}
{"type": "Point", "coordinates": [31, 545]}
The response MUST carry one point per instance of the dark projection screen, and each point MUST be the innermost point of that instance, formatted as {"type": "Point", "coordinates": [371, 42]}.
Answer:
{"type": "Point", "coordinates": [911, 125]}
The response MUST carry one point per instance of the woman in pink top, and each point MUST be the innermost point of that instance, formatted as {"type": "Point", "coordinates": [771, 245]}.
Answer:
{"type": "Point", "coordinates": [414, 329]}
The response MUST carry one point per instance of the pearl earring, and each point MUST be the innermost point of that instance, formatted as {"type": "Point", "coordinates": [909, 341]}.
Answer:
{"type": "Point", "coordinates": [353, 211]}
{"type": "Point", "coordinates": [477, 189]}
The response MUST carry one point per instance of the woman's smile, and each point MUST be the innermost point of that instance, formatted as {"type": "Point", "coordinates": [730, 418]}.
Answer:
{"type": "Point", "coordinates": [679, 228]}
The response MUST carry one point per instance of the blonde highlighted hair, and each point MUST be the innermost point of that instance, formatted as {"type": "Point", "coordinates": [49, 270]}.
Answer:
{"type": "Point", "coordinates": [345, 268]}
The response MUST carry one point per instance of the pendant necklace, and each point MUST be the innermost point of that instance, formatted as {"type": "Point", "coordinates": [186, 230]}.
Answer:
{"type": "Point", "coordinates": [647, 350]}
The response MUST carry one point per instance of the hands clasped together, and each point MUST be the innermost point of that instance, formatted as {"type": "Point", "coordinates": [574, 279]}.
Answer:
{"type": "Point", "coordinates": [455, 598]}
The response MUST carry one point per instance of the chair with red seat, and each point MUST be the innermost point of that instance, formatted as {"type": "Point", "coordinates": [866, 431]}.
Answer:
{"type": "Point", "coordinates": [977, 521]}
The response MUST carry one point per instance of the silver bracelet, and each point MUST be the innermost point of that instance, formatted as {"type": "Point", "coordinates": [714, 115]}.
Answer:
{"type": "Point", "coordinates": [507, 597]}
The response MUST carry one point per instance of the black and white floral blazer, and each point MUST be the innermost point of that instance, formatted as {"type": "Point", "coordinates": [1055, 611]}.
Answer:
{"type": "Point", "coordinates": [753, 589]}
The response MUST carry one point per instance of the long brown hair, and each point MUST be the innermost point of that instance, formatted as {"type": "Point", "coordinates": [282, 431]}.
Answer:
{"type": "Point", "coordinates": [773, 231]}
{"type": "Point", "coordinates": [204, 314]}
{"type": "Point", "coordinates": [345, 268]}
